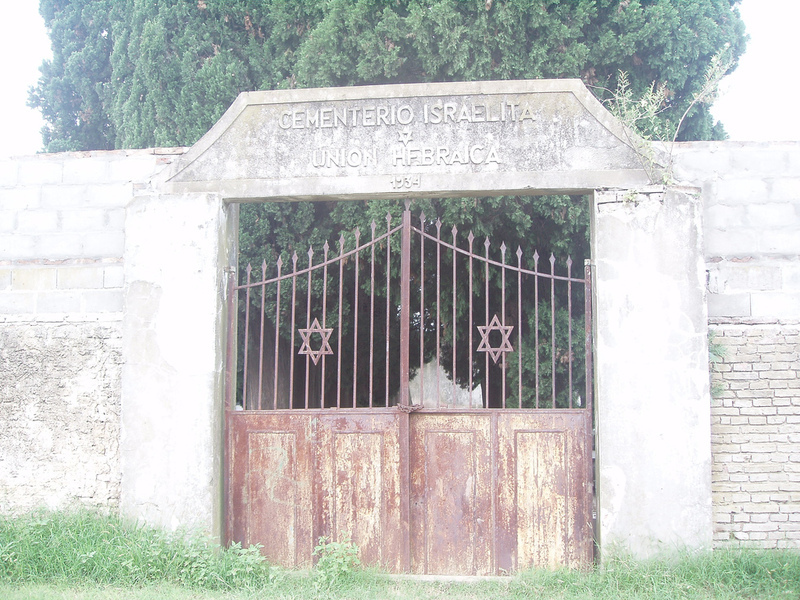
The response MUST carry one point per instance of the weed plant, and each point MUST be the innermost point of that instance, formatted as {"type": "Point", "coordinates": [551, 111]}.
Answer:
{"type": "Point", "coordinates": [336, 562]}
{"type": "Point", "coordinates": [86, 548]}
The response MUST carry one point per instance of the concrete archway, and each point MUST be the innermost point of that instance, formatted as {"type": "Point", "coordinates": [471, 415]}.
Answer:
{"type": "Point", "coordinates": [462, 139]}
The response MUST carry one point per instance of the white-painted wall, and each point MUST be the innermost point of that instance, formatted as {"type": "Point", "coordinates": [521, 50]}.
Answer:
{"type": "Point", "coordinates": [173, 343]}
{"type": "Point", "coordinates": [652, 410]}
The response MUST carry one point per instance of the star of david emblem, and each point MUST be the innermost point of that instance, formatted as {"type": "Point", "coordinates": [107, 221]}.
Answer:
{"type": "Point", "coordinates": [324, 347]}
{"type": "Point", "coordinates": [405, 136]}
{"type": "Point", "coordinates": [505, 344]}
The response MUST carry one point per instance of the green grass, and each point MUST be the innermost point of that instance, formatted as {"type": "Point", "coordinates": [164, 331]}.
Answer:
{"type": "Point", "coordinates": [85, 556]}
{"type": "Point", "coordinates": [85, 548]}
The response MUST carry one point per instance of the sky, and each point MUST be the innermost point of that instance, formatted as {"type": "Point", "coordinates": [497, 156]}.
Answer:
{"type": "Point", "coordinates": [756, 103]}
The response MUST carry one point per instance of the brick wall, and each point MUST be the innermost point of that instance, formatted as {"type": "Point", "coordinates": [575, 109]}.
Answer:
{"type": "Point", "coordinates": [756, 434]}
{"type": "Point", "coordinates": [62, 240]}
{"type": "Point", "coordinates": [751, 198]}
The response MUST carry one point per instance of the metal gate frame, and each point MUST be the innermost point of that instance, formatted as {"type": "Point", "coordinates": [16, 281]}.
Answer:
{"type": "Point", "coordinates": [264, 500]}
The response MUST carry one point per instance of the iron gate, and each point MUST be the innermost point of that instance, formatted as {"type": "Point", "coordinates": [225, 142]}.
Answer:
{"type": "Point", "coordinates": [483, 466]}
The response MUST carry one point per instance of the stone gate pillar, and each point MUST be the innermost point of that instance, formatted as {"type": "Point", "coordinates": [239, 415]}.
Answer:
{"type": "Point", "coordinates": [652, 409]}
{"type": "Point", "coordinates": [176, 250]}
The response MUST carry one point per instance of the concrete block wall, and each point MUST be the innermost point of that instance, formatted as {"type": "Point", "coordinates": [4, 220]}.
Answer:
{"type": "Point", "coordinates": [62, 231]}
{"type": "Point", "coordinates": [751, 193]}
{"type": "Point", "coordinates": [62, 239]}
{"type": "Point", "coordinates": [60, 414]}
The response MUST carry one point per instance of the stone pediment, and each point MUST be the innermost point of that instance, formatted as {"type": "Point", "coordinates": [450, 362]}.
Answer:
{"type": "Point", "coordinates": [438, 139]}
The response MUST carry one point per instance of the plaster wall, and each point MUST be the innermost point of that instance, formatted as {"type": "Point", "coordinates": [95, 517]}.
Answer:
{"type": "Point", "coordinates": [173, 343]}
{"type": "Point", "coordinates": [62, 235]}
{"type": "Point", "coordinates": [652, 417]}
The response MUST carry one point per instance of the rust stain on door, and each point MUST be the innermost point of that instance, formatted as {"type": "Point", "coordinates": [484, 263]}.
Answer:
{"type": "Point", "coordinates": [487, 491]}
{"type": "Point", "coordinates": [269, 484]}
{"type": "Point", "coordinates": [357, 489]}
{"type": "Point", "coordinates": [541, 499]}
{"type": "Point", "coordinates": [544, 483]}
{"type": "Point", "coordinates": [451, 480]}
{"type": "Point", "coordinates": [271, 494]}
{"type": "Point", "coordinates": [358, 492]}
{"type": "Point", "coordinates": [450, 511]}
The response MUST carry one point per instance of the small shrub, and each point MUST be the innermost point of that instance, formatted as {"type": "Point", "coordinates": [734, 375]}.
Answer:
{"type": "Point", "coordinates": [336, 561]}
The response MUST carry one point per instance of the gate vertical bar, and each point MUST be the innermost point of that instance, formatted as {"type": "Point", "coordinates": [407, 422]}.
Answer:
{"type": "Point", "coordinates": [246, 402]}
{"type": "Point", "coordinates": [455, 337]}
{"type": "Point", "coordinates": [294, 315]}
{"type": "Point", "coordinates": [470, 239]}
{"type": "Point", "coordinates": [438, 305]}
{"type": "Point", "coordinates": [553, 326]}
{"type": "Point", "coordinates": [404, 417]}
{"type": "Point", "coordinates": [230, 401]}
{"type": "Point", "coordinates": [486, 323]}
{"type": "Point", "coordinates": [589, 335]}
{"type": "Point", "coordinates": [308, 317]}
{"type": "Point", "coordinates": [325, 249]}
{"type": "Point", "coordinates": [339, 349]}
{"type": "Point", "coordinates": [519, 326]}
{"type": "Point", "coordinates": [372, 311]}
{"type": "Point", "coordinates": [388, 299]}
{"type": "Point", "coordinates": [536, 319]}
{"type": "Point", "coordinates": [261, 335]}
{"type": "Point", "coordinates": [405, 301]}
{"type": "Point", "coordinates": [422, 306]}
{"type": "Point", "coordinates": [569, 324]}
{"type": "Point", "coordinates": [277, 336]}
{"type": "Point", "coordinates": [230, 352]}
{"type": "Point", "coordinates": [503, 310]}
{"type": "Point", "coordinates": [355, 318]}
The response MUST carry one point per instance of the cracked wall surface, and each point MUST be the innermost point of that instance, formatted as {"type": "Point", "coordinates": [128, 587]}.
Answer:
{"type": "Point", "coordinates": [60, 409]}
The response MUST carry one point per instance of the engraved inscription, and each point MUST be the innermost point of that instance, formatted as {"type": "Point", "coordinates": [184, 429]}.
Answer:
{"type": "Point", "coordinates": [427, 156]}
{"type": "Point", "coordinates": [344, 157]}
{"type": "Point", "coordinates": [406, 182]}
{"type": "Point", "coordinates": [402, 148]}
{"type": "Point", "coordinates": [365, 116]}
{"type": "Point", "coordinates": [390, 115]}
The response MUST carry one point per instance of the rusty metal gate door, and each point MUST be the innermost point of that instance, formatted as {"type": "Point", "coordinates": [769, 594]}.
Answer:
{"type": "Point", "coordinates": [479, 464]}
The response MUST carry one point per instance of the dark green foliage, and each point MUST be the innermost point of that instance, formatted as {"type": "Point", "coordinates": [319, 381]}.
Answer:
{"type": "Point", "coordinates": [136, 73]}
{"type": "Point", "coordinates": [140, 73]}
{"type": "Point", "coordinates": [556, 224]}
{"type": "Point", "coordinates": [73, 85]}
